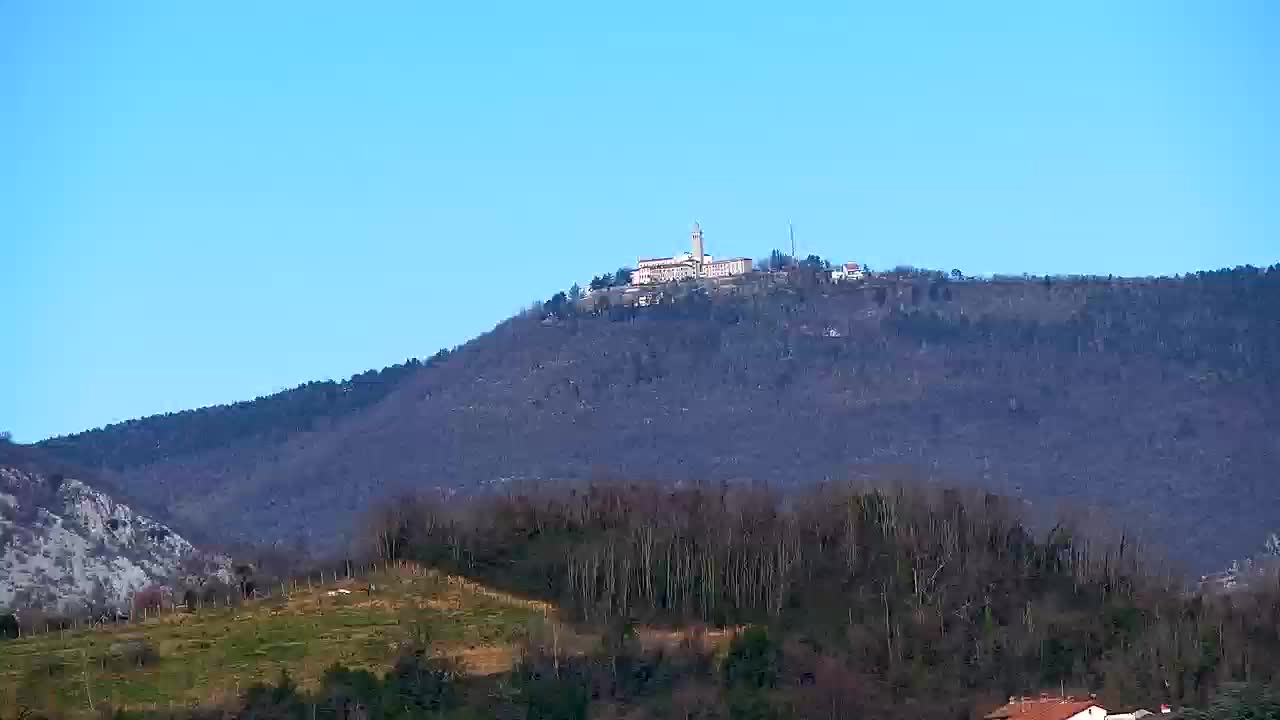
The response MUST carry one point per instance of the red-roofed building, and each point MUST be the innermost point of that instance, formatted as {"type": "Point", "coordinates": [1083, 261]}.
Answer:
{"type": "Point", "coordinates": [1048, 708]}
{"type": "Point", "coordinates": [847, 271]}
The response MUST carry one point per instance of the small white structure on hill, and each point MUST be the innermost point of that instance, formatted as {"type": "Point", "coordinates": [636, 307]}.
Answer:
{"type": "Point", "coordinates": [1135, 715]}
{"type": "Point", "coordinates": [687, 266]}
{"type": "Point", "coordinates": [847, 271]}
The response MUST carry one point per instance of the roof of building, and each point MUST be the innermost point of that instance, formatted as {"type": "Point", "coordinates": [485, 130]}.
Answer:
{"type": "Point", "coordinates": [1043, 708]}
{"type": "Point", "coordinates": [677, 260]}
{"type": "Point", "coordinates": [1134, 715]}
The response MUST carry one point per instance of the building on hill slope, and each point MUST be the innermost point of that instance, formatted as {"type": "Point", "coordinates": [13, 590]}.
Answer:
{"type": "Point", "coordinates": [688, 266]}
{"type": "Point", "coordinates": [1048, 708]}
{"type": "Point", "coordinates": [1166, 713]}
{"type": "Point", "coordinates": [847, 271]}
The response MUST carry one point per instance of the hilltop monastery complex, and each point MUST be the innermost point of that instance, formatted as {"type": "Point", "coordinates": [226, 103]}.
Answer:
{"type": "Point", "coordinates": [698, 265]}
{"type": "Point", "coordinates": [687, 266]}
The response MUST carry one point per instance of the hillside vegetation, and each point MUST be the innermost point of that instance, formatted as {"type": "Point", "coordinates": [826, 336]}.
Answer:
{"type": "Point", "coordinates": [932, 597]}
{"type": "Point", "coordinates": [837, 601]}
{"type": "Point", "coordinates": [1158, 400]}
{"type": "Point", "coordinates": [272, 417]}
{"type": "Point", "coordinates": [210, 656]}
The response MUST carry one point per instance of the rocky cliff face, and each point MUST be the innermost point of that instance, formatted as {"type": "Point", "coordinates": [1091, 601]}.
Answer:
{"type": "Point", "coordinates": [64, 545]}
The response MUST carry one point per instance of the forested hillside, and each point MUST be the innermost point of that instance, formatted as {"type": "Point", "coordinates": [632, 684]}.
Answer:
{"type": "Point", "coordinates": [266, 419]}
{"type": "Point", "coordinates": [1156, 400]}
{"type": "Point", "coordinates": [878, 603]}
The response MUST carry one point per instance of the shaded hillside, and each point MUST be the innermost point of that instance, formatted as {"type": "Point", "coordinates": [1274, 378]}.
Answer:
{"type": "Point", "coordinates": [1155, 399]}
{"type": "Point", "coordinates": [266, 419]}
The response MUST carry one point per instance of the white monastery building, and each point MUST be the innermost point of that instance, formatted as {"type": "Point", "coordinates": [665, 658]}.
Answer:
{"type": "Point", "coordinates": [687, 266]}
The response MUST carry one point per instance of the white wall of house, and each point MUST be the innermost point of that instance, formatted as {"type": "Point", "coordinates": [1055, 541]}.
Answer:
{"type": "Point", "coordinates": [726, 268]}
{"type": "Point", "coordinates": [1095, 712]}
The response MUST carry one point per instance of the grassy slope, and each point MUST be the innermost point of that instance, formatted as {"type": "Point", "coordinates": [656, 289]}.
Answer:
{"type": "Point", "coordinates": [204, 657]}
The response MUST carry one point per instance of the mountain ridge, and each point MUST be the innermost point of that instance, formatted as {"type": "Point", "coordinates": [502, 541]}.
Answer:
{"type": "Point", "coordinates": [1080, 391]}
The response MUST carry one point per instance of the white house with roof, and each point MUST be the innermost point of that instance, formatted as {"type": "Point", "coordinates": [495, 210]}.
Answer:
{"type": "Point", "coordinates": [847, 271]}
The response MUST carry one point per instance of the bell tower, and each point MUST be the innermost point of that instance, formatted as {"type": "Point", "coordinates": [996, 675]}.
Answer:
{"type": "Point", "coordinates": [696, 236]}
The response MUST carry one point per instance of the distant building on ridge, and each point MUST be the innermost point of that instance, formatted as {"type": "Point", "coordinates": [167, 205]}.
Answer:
{"type": "Point", "coordinates": [688, 266]}
{"type": "Point", "coordinates": [847, 271]}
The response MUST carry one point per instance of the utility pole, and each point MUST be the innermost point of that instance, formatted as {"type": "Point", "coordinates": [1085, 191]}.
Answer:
{"type": "Point", "coordinates": [84, 655]}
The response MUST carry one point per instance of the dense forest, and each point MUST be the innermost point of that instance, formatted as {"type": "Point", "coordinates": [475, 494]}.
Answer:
{"type": "Point", "coordinates": [1155, 399]}
{"type": "Point", "coordinates": [915, 595]}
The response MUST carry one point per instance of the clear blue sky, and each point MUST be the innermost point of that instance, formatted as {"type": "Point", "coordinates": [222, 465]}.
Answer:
{"type": "Point", "coordinates": [204, 202]}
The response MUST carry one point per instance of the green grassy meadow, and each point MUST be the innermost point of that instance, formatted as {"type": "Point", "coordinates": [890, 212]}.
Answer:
{"type": "Point", "coordinates": [207, 656]}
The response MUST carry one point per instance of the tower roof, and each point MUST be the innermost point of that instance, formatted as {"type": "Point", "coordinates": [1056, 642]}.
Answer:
{"type": "Point", "coordinates": [697, 227]}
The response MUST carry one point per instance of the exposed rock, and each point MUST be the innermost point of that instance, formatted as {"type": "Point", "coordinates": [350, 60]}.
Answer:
{"type": "Point", "coordinates": [64, 545]}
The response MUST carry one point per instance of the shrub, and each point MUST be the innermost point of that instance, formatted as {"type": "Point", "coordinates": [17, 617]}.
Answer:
{"type": "Point", "coordinates": [148, 598]}
{"type": "Point", "coordinates": [8, 626]}
{"type": "Point", "coordinates": [130, 654]}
